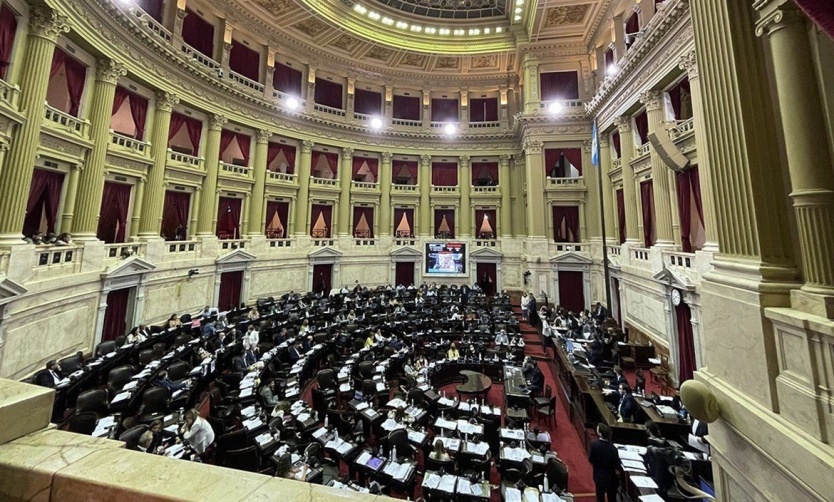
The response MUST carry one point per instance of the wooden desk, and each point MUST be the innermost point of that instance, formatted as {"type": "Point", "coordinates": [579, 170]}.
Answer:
{"type": "Point", "coordinates": [476, 384]}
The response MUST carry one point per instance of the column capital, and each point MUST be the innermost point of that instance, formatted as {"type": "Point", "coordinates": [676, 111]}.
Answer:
{"type": "Point", "coordinates": [603, 141]}
{"type": "Point", "coordinates": [425, 159]}
{"type": "Point", "coordinates": [165, 101]}
{"type": "Point", "coordinates": [774, 17]}
{"type": "Point", "coordinates": [587, 144]}
{"type": "Point", "coordinates": [307, 146]}
{"type": "Point", "coordinates": [464, 160]}
{"type": "Point", "coordinates": [347, 152]}
{"type": "Point", "coordinates": [387, 156]}
{"type": "Point", "coordinates": [504, 159]}
{"type": "Point", "coordinates": [532, 147]}
{"type": "Point", "coordinates": [47, 23]}
{"type": "Point", "coordinates": [108, 70]}
{"type": "Point", "coordinates": [216, 122]}
{"type": "Point", "coordinates": [623, 123]}
{"type": "Point", "coordinates": [689, 63]}
{"type": "Point", "coordinates": [263, 136]}
{"type": "Point", "coordinates": [181, 13]}
{"type": "Point", "coordinates": [653, 99]}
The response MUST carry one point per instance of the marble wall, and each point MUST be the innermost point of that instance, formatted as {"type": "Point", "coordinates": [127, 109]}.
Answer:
{"type": "Point", "coordinates": [647, 311]}
{"type": "Point", "coordinates": [178, 295]}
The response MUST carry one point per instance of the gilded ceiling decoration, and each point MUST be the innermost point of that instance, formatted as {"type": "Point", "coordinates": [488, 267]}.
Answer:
{"type": "Point", "coordinates": [345, 42]}
{"type": "Point", "coordinates": [414, 60]}
{"type": "Point", "coordinates": [379, 52]}
{"type": "Point", "coordinates": [450, 9]}
{"type": "Point", "coordinates": [566, 14]}
{"type": "Point", "coordinates": [311, 26]}
{"type": "Point", "coordinates": [274, 7]}
{"type": "Point", "coordinates": [446, 62]}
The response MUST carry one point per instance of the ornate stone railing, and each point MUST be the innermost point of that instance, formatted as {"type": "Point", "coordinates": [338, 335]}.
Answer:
{"type": "Point", "coordinates": [484, 125]}
{"type": "Point", "coordinates": [183, 159]}
{"type": "Point", "coordinates": [231, 244]}
{"type": "Point", "coordinates": [50, 257]}
{"type": "Point", "coordinates": [487, 189]}
{"type": "Point", "coordinates": [235, 169]}
{"type": "Point", "coordinates": [487, 243]}
{"type": "Point", "coordinates": [438, 125]}
{"type": "Point", "coordinates": [124, 250]}
{"type": "Point", "coordinates": [365, 185]}
{"type": "Point", "coordinates": [640, 254]}
{"type": "Point", "coordinates": [183, 247]}
{"type": "Point", "coordinates": [614, 250]}
{"type": "Point", "coordinates": [282, 177]}
{"type": "Point", "coordinates": [565, 247]}
{"type": "Point", "coordinates": [405, 188]}
{"type": "Point", "coordinates": [363, 241]}
{"type": "Point", "coordinates": [323, 242]}
{"type": "Point", "coordinates": [682, 128]}
{"type": "Point", "coordinates": [570, 105]}
{"type": "Point", "coordinates": [132, 145]}
{"type": "Point", "coordinates": [680, 259]}
{"type": "Point", "coordinates": [9, 94]}
{"type": "Point", "coordinates": [246, 82]}
{"type": "Point", "coordinates": [362, 117]}
{"type": "Point", "coordinates": [578, 182]}
{"type": "Point", "coordinates": [324, 182]}
{"type": "Point", "coordinates": [151, 25]}
{"type": "Point", "coordinates": [284, 99]}
{"type": "Point", "coordinates": [405, 241]}
{"type": "Point", "coordinates": [444, 189]}
{"type": "Point", "coordinates": [200, 58]}
{"type": "Point", "coordinates": [329, 110]}
{"type": "Point", "coordinates": [279, 243]}
{"type": "Point", "coordinates": [642, 149]}
{"type": "Point", "coordinates": [407, 122]}
{"type": "Point", "coordinates": [65, 121]}
{"type": "Point", "coordinates": [4, 261]}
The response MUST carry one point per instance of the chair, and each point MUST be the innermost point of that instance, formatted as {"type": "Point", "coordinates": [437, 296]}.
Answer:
{"type": "Point", "coordinates": [548, 410]}
{"type": "Point", "coordinates": [416, 396]}
{"type": "Point", "coordinates": [92, 400]}
{"type": "Point", "coordinates": [234, 440]}
{"type": "Point", "coordinates": [399, 439]}
{"type": "Point", "coordinates": [314, 455]}
{"type": "Point", "coordinates": [83, 423]}
{"type": "Point", "coordinates": [154, 404]}
{"type": "Point", "coordinates": [627, 359]}
{"type": "Point", "coordinates": [159, 350]}
{"type": "Point", "coordinates": [659, 372]}
{"type": "Point", "coordinates": [71, 364]}
{"type": "Point", "coordinates": [182, 339]}
{"type": "Point", "coordinates": [243, 459]}
{"type": "Point", "coordinates": [327, 382]}
{"type": "Point", "coordinates": [543, 400]}
{"type": "Point", "coordinates": [448, 466]}
{"type": "Point", "coordinates": [145, 357]}
{"type": "Point", "coordinates": [178, 370]}
{"type": "Point", "coordinates": [511, 475]}
{"type": "Point", "coordinates": [131, 436]}
{"type": "Point", "coordinates": [118, 377]}
{"type": "Point", "coordinates": [557, 474]}
{"type": "Point", "coordinates": [105, 348]}
{"type": "Point", "coordinates": [120, 340]}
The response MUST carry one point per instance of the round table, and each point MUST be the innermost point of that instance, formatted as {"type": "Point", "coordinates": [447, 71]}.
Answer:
{"type": "Point", "coordinates": [476, 383]}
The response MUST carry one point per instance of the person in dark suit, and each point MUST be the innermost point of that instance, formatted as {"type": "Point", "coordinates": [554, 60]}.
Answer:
{"type": "Point", "coordinates": [605, 461]}
{"type": "Point", "coordinates": [628, 405]}
{"type": "Point", "coordinates": [536, 381]}
{"type": "Point", "coordinates": [160, 436]}
{"type": "Point", "coordinates": [50, 376]}
{"type": "Point", "coordinates": [162, 380]}
{"type": "Point", "coordinates": [294, 353]}
{"type": "Point", "coordinates": [249, 357]}
{"type": "Point", "coordinates": [239, 366]}
{"type": "Point", "coordinates": [600, 312]}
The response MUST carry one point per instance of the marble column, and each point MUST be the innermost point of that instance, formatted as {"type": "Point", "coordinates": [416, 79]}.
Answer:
{"type": "Point", "coordinates": [629, 189]}
{"type": "Point", "coordinates": [351, 98]}
{"type": "Point", "coordinates": [506, 197]}
{"type": "Point", "coordinates": [45, 25]}
{"type": "Point", "coordinates": [385, 180]}
{"type": "Point", "coordinates": [607, 188]}
{"type": "Point", "coordinates": [619, 38]}
{"type": "Point", "coordinates": [91, 181]}
{"type": "Point", "coordinates": [208, 197]}
{"type": "Point", "coordinates": [257, 222]}
{"type": "Point", "coordinates": [809, 161]}
{"type": "Point", "coordinates": [136, 217]}
{"type": "Point", "coordinates": [311, 89]}
{"type": "Point", "coordinates": [150, 223]}
{"type": "Point", "coordinates": [517, 188]}
{"type": "Point", "coordinates": [530, 68]}
{"type": "Point", "coordinates": [689, 63]}
{"type": "Point", "coordinates": [660, 173]}
{"type": "Point", "coordinates": [465, 184]}
{"type": "Point", "coordinates": [534, 179]}
{"type": "Point", "coordinates": [344, 195]}
{"type": "Point", "coordinates": [591, 174]}
{"type": "Point", "coordinates": [302, 201]}
{"type": "Point", "coordinates": [425, 195]}
{"type": "Point", "coordinates": [71, 197]}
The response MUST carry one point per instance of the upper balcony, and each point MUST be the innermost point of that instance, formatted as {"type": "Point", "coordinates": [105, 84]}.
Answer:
{"type": "Point", "coordinates": [445, 190]}
{"type": "Point", "coordinates": [276, 178]}
{"type": "Point", "coordinates": [555, 184]}
{"type": "Point", "coordinates": [364, 187]}
{"type": "Point", "coordinates": [235, 171]}
{"type": "Point", "coordinates": [186, 162]}
{"type": "Point", "coordinates": [65, 123]}
{"type": "Point", "coordinates": [324, 183]}
{"type": "Point", "coordinates": [126, 144]}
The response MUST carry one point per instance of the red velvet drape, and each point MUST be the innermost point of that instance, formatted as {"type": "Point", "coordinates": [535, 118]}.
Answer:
{"type": "Point", "coordinates": [226, 138]}
{"type": "Point", "coordinates": [112, 221]}
{"type": "Point", "coordinates": [566, 223]}
{"type": "Point", "coordinates": [450, 222]}
{"type": "Point", "coordinates": [615, 140]}
{"type": "Point", "coordinates": [287, 80]}
{"type": "Point", "coordinates": [684, 189]}
{"type": "Point", "coordinates": [641, 124]}
{"type": "Point", "coordinates": [230, 284]}
{"type": "Point", "coordinates": [675, 97]}
{"type": "Point", "coordinates": [8, 29]}
{"type": "Point", "coordinates": [480, 231]}
{"type": "Point", "coordinates": [326, 213]}
{"type": "Point", "coordinates": [444, 110]}
{"type": "Point", "coordinates": [115, 314]}
{"type": "Point", "coordinates": [332, 162]}
{"type": "Point", "coordinates": [373, 167]}
{"type": "Point", "coordinates": [138, 109]}
{"type": "Point", "coordinates": [44, 195]}
{"type": "Point", "coordinates": [245, 61]}
{"type": "Point", "coordinates": [175, 215]}
{"type": "Point", "coordinates": [119, 99]}
{"type": "Point", "coordinates": [289, 153]}
{"type": "Point", "coordinates": [405, 172]}
{"type": "Point", "coordinates": [328, 93]}
{"type": "Point", "coordinates": [243, 141]}
{"type": "Point", "coordinates": [483, 172]}
{"type": "Point", "coordinates": [367, 102]}
{"type": "Point", "coordinates": [194, 126]}
{"type": "Point", "coordinates": [820, 12]}
{"type": "Point", "coordinates": [556, 167]}
{"type": "Point", "coordinates": [647, 203]}
{"type": "Point", "coordinates": [483, 110]}
{"type": "Point", "coordinates": [406, 107]}
{"type": "Point", "coordinates": [561, 85]}
{"type": "Point", "coordinates": [322, 278]}
{"type": "Point", "coordinates": [404, 273]}
{"type": "Point", "coordinates": [228, 218]}
{"type": "Point", "coordinates": [572, 291]}
{"type": "Point", "coordinates": [487, 277]}
{"type": "Point", "coordinates": [282, 209]}
{"type": "Point", "coordinates": [632, 25]}
{"type": "Point", "coordinates": [368, 212]}
{"type": "Point", "coordinates": [76, 75]}
{"type": "Point", "coordinates": [621, 216]}
{"type": "Point", "coordinates": [686, 343]}
{"type": "Point", "coordinates": [152, 7]}
{"type": "Point", "coordinates": [198, 33]}
{"type": "Point", "coordinates": [444, 174]}
{"type": "Point", "coordinates": [399, 212]}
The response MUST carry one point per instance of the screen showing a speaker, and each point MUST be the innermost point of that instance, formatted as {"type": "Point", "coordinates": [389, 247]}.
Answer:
{"type": "Point", "coordinates": [446, 258]}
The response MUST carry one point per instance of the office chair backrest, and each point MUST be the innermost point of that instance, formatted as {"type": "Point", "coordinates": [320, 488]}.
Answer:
{"type": "Point", "coordinates": [155, 399]}
{"type": "Point", "coordinates": [70, 364]}
{"type": "Point", "coordinates": [92, 400]}
{"type": "Point", "coordinates": [105, 348]}
{"type": "Point", "coordinates": [120, 340]}
{"type": "Point", "coordinates": [131, 436]}
{"type": "Point", "coordinates": [118, 377]}
{"type": "Point", "coordinates": [243, 459]}
{"type": "Point", "coordinates": [83, 423]}
{"type": "Point", "coordinates": [178, 370]}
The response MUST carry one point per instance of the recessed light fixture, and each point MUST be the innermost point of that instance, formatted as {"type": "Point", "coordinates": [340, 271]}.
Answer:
{"type": "Point", "coordinates": [292, 103]}
{"type": "Point", "coordinates": [450, 129]}
{"type": "Point", "coordinates": [612, 69]}
{"type": "Point", "coordinates": [555, 108]}
{"type": "Point", "coordinates": [376, 123]}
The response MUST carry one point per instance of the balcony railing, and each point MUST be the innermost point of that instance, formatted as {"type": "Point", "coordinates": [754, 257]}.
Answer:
{"type": "Point", "coordinates": [323, 242]}
{"type": "Point", "coordinates": [618, 163]}
{"type": "Point", "coordinates": [614, 250]}
{"type": "Point", "coordinates": [680, 259]}
{"type": "Point", "coordinates": [282, 177]}
{"type": "Point", "coordinates": [365, 185]}
{"type": "Point", "coordinates": [124, 250]}
{"type": "Point", "coordinates": [578, 182]}
{"type": "Point", "coordinates": [235, 169]}
{"type": "Point", "coordinates": [183, 247]}
{"type": "Point", "coordinates": [185, 160]}
{"type": "Point", "coordinates": [324, 182]}
{"type": "Point", "coordinates": [132, 145]}
{"type": "Point", "coordinates": [640, 254]}
{"type": "Point", "coordinates": [362, 117]}
{"type": "Point", "coordinates": [570, 105]}
{"type": "Point", "coordinates": [230, 244]}
{"type": "Point", "coordinates": [246, 82]}
{"type": "Point", "coordinates": [439, 125]}
{"type": "Point", "coordinates": [200, 58]}
{"type": "Point", "coordinates": [57, 256]}
{"type": "Point", "coordinates": [682, 128]}
{"type": "Point", "coordinates": [329, 110]}
{"type": "Point", "coordinates": [565, 247]}
{"type": "Point", "coordinates": [487, 189]}
{"type": "Point", "coordinates": [642, 149]}
{"type": "Point", "coordinates": [486, 243]}
{"type": "Point", "coordinates": [407, 122]}
{"type": "Point", "coordinates": [9, 94]}
{"type": "Point", "coordinates": [279, 243]}
{"type": "Point", "coordinates": [444, 189]}
{"type": "Point", "coordinates": [484, 125]}
{"type": "Point", "coordinates": [365, 241]}
{"type": "Point", "coordinates": [405, 188]}
{"type": "Point", "coordinates": [151, 25]}
{"type": "Point", "coordinates": [283, 98]}
{"type": "Point", "coordinates": [67, 122]}
{"type": "Point", "coordinates": [405, 241]}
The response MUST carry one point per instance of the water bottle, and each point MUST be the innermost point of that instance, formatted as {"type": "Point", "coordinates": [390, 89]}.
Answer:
{"type": "Point", "coordinates": [394, 453]}
{"type": "Point", "coordinates": [326, 421]}
{"type": "Point", "coordinates": [546, 487]}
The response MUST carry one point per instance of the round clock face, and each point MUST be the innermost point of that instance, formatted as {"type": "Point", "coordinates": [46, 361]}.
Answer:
{"type": "Point", "coordinates": [676, 297]}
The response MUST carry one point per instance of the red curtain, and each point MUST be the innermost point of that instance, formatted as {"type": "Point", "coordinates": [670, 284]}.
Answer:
{"type": "Point", "coordinates": [450, 222]}
{"type": "Point", "coordinates": [406, 107]}
{"type": "Point", "coordinates": [138, 109]}
{"type": "Point", "coordinates": [647, 202]}
{"type": "Point", "coordinates": [332, 162]}
{"type": "Point", "coordinates": [112, 221]}
{"type": "Point", "coordinates": [228, 218]}
{"type": "Point", "coordinates": [373, 167]}
{"type": "Point", "coordinates": [44, 195]}
{"type": "Point", "coordinates": [194, 126]}
{"type": "Point", "coordinates": [152, 7]}
{"type": "Point", "coordinates": [621, 216]}
{"type": "Point", "coordinates": [684, 208]}
{"type": "Point", "coordinates": [367, 102]}
{"type": "Point", "coordinates": [289, 153]}
{"type": "Point", "coordinates": [480, 231]}
{"type": "Point", "coordinates": [230, 284]}
{"type": "Point", "coordinates": [328, 93]}
{"type": "Point", "coordinates": [556, 166]}
{"type": "Point", "coordinates": [245, 61]}
{"type": "Point", "coordinates": [572, 291]}
{"type": "Point", "coordinates": [615, 140]}
{"type": "Point", "coordinates": [559, 85]}
{"type": "Point", "coordinates": [325, 213]}
{"type": "Point", "coordinates": [115, 314]}
{"type": "Point", "coordinates": [675, 96]}
{"type": "Point", "coordinates": [368, 212]}
{"type": "Point", "coordinates": [487, 277]}
{"type": "Point", "coordinates": [444, 174]}
{"type": "Point", "coordinates": [399, 212]}
{"type": "Point", "coordinates": [632, 24]}
{"type": "Point", "coordinates": [444, 110]}
{"type": "Point", "coordinates": [282, 210]}
{"type": "Point", "coordinates": [566, 223]}
{"type": "Point", "coordinates": [175, 215]}
{"type": "Point", "coordinates": [119, 99]}
{"type": "Point", "coordinates": [76, 74]}
{"type": "Point", "coordinates": [820, 12]}
{"type": "Point", "coordinates": [641, 123]}
{"type": "Point", "coordinates": [483, 110]}
{"type": "Point", "coordinates": [287, 80]}
{"type": "Point", "coordinates": [243, 141]}
{"type": "Point", "coordinates": [8, 28]}
{"type": "Point", "coordinates": [686, 343]}
{"type": "Point", "coordinates": [485, 173]}
{"type": "Point", "coordinates": [404, 273]}
{"type": "Point", "coordinates": [405, 172]}
{"type": "Point", "coordinates": [198, 33]}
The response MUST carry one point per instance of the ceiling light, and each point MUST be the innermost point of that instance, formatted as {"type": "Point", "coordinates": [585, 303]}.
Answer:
{"type": "Point", "coordinates": [292, 103]}
{"type": "Point", "coordinates": [373, 15]}
{"type": "Point", "coordinates": [445, 31]}
{"type": "Point", "coordinates": [401, 25]}
{"type": "Point", "coordinates": [474, 31]}
{"type": "Point", "coordinates": [376, 123]}
{"type": "Point", "coordinates": [387, 20]}
{"type": "Point", "coordinates": [416, 28]}
{"type": "Point", "coordinates": [517, 18]}
{"type": "Point", "coordinates": [498, 29]}
{"type": "Point", "coordinates": [360, 8]}
{"type": "Point", "coordinates": [519, 2]}
{"type": "Point", "coordinates": [555, 108]}
{"type": "Point", "coordinates": [612, 69]}
{"type": "Point", "coordinates": [450, 128]}
{"type": "Point", "coordinates": [487, 31]}
{"type": "Point", "coordinates": [431, 31]}
{"type": "Point", "coordinates": [518, 10]}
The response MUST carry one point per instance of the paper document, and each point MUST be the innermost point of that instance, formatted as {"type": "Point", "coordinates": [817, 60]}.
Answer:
{"type": "Point", "coordinates": [629, 455]}
{"type": "Point", "coordinates": [634, 464]}
{"type": "Point", "coordinates": [643, 482]}
{"type": "Point", "coordinates": [650, 498]}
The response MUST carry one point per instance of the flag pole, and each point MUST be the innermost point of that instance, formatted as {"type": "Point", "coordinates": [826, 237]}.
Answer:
{"type": "Point", "coordinates": [600, 173]}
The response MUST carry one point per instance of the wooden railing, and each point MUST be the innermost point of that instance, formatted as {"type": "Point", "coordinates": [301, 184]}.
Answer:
{"type": "Point", "coordinates": [136, 146]}
{"type": "Point", "coordinates": [67, 122]}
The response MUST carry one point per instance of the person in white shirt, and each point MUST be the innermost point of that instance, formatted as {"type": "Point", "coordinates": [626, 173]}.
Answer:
{"type": "Point", "coordinates": [251, 338]}
{"type": "Point", "coordinates": [501, 338]}
{"type": "Point", "coordinates": [136, 336]}
{"type": "Point", "coordinates": [197, 431]}
{"type": "Point", "coordinates": [525, 302]}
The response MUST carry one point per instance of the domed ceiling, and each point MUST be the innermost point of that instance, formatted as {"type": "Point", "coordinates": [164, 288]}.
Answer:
{"type": "Point", "coordinates": [450, 9]}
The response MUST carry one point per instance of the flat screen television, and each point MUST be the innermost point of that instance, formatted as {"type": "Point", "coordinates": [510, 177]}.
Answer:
{"type": "Point", "coordinates": [446, 258]}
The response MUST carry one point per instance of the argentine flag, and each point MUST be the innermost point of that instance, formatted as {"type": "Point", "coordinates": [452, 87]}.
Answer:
{"type": "Point", "coordinates": [595, 145]}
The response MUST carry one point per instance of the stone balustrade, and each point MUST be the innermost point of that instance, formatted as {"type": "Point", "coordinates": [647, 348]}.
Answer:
{"type": "Point", "coordinates": [57, 119]}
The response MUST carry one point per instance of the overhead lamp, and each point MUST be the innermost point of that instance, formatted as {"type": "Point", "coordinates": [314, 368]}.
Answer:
{"type": "Point", "coordinates": [376, 123]}
{"type": "Point", "coordinates": [450, 129]}
{"type": "Point", "coordinates": [612, 69]}
{"type": "Point", "coordinates": [517, 18]}
{"type": "Point", "coordinates": [292, 103]}
{"type": "Point", "coordinates": [555, 108]}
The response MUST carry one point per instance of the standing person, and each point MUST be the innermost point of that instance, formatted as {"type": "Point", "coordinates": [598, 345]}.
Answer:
{"type": "Point", "coordinates": [525, 303]}
{"type": "Point", "coordinates": [605, 460]}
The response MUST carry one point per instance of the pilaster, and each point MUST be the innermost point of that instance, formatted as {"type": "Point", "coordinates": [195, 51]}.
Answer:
{"type": "Point", "coordinates": [629, 189]}
{"type": "Point", "coordinates": [590, 173]}
{"type": "Point", "coordinates": [71, 197]}
{"type": "Point", "coordinates": [311, 89]}
{"type": "Point", "coordinates": [150, 224]}
{"type": "Point", "coordinates": [351, 98]}
{"type": "Point", "coordinates": [208, 203]}
{"type": "Point", "coordinates": [518, 188]}
{"type": "Point", "coordinates": [138, 198]}
{"type": "Point", "coordinates": [534, 177]}
{"type": "Point", "coordinates": [607, 187]}
{"type": "Point", "coordinates": [619, 38]}
{"type": "Point", "coordinates": [504, 185]}
{"type": "Point", "coordinates": [465, 184]}
{"type": "Point", "coordinates": [426, 109]}
{"type": "Point", "coordinates": [532, 97]}
{"type": "Point", "coordinates": [302, 202]}
{"type": "Point", "coordinates": [256, 219]}
{"type": "Point", "coordinates": [385, 180]}
{"type": "Point", "coordinates": [91, 181]}
{"type": "Point", "coordinates": [424, 179]}
{"type": "Point", "coordinates": [345, 172]}
{"type": "Point", "coordinates": [660, 176]}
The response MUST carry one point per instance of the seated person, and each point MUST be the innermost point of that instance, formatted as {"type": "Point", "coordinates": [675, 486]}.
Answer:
{"type": "Point", "coordinates": [453, 353]}
{"type": "Point", "coordinates": [439, 452]}
{"type": "Point", "coordinates": [144, 444]}
{"type": "Point", "coordinates": [160, 436]}
{"type": "Point", "coordinates": [369, 341]}
{"type": "Point", "coordinates": [173, 322]}
{"type": "Point", "coordinates": [501, 338]}
{"type": "Point", "coordinates": [51, 376]}
{"type": "Point", "coordinates": [294, 353]}
{"type": "Point", "coordinates": [197, 431]}
{"type": "Point", "coordinates": [536, 382]}
{"type": "Point", "coordinates": [137, 335]}
{"type": "Point", "coordinates": [163, 381]}
{"type": "Point", "coordinates": [269, 396]}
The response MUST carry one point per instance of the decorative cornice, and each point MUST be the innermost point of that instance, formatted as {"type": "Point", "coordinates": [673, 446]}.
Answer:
{"type": "Point", "coordinates": [653, 99]}
{"type": "Point", "coordinates": [307, 146]}
{"type": "Point", "coordinates": [623, 123]}
{"type": "Point", "coordinates": [263, 136]}
{"type": "Point", "coordinates": [347, 152]}
{"type": "Point", "coordinates": [216, 122]}
{"type": "Point", "coordinates": [689, 63]}
{"type": "Point", "coordinates": [165, 101]}
{"type": "Point", "coordinates": [109, 71]}
{"type": "Point", "coordinates": [47, 23]}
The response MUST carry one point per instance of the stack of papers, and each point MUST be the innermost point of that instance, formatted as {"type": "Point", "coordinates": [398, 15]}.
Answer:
{"type": "Point", "coordinates": [253, 423]}
{"type": "Point", "coordinates": [447, 483]}
{"type": "Point", "coordinates": [515, 454]}
{"type": "Point", "coordinates": [643, 482]}
{"type": "Point", "coordinates": [363, 458]}
{"type": "Point", "coordinates": [450, 443]}
{"type": "Point", "coordinates": [264, 438]}
{"type": "Point", "coordinates": [629, 455]}
{"type": "Point", "coordinates": [122, 396]}
{"type": "Point", "coordinates": [416, 437]}
{"type": "Point", "coordinates": [512, 495]}
{"type": "Point", "coordinates": [431, 480]}
{"type": "Point", "coordinates": [477, 448]}
{"type": "Point", "coordinates": [466, 428]}
{"type": "Point", "coordinates": [516, 434]}
{"type": "Point", "coordinates": [531, 495]}
{"type": "Point", "coordinates": [445, 424]}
